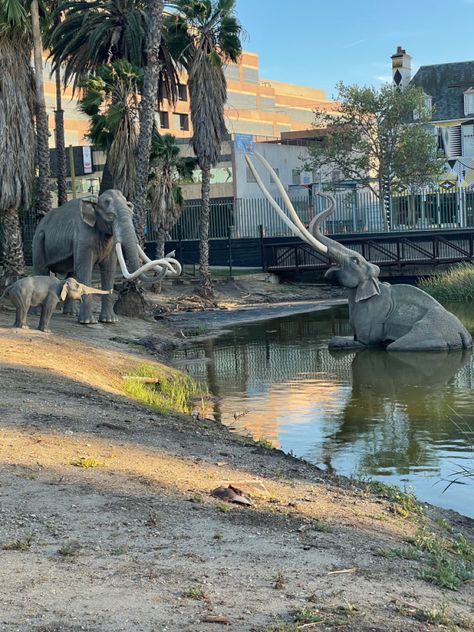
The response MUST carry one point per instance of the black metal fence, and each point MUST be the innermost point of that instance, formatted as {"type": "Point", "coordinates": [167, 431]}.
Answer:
{"type": "Point", "coordinates": [357, 212]}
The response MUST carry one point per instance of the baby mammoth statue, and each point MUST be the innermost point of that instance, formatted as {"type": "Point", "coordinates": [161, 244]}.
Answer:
{"type": "Point", "coordinates": [46, 291]}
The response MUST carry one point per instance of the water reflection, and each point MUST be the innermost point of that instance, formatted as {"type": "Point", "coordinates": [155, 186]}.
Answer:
{"type": "Point", "coordinates": [403, 417]}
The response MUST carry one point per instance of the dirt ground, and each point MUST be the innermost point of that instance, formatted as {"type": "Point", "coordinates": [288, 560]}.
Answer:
{"type": "Point", "coordinates": [138, 544]}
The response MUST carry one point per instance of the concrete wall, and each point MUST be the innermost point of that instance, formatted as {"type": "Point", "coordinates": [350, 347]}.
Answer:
{"type": "Point", "coordinates": [285, 158]}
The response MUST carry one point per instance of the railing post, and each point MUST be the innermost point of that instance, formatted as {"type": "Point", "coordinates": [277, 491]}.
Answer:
{"type": "Point", "coordinates": [180, 243]}
{"type": "Point", "coordinates": [262, 248]}
{"type": "Point", "coordinates": [229, 238]}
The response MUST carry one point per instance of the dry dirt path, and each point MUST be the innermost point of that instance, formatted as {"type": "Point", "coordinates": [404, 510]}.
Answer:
{"type": "Point", "coordinates": [138, 544]}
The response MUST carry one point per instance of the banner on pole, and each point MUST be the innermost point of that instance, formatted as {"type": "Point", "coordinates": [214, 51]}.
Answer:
{"type": "Point", "coordinates": [243, 143]}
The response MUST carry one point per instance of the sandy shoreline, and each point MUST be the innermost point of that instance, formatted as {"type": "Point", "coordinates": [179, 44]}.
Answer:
{"type": "Point", "coordinates": [137, 543]}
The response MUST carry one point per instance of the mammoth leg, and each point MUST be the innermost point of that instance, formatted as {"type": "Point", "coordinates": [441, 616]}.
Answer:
{"type": "Point", "coordinates": [47, 310]}
{"type": "Point", "coordinates": [107, 274]}
{"type": "Point", "coordinates": [39, 259]}
{"type": "Point", "coordinates": [84, 263]}
{"type": "Point", "coordinates": [22, 305]}
{"type": "Point", "coordinates": [421, 337]}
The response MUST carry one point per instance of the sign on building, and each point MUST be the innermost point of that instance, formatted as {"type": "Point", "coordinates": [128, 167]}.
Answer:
{"type": "Point", "coordinates": [87, 159]}
{"type": "Point", "coordinates": [243, 143]}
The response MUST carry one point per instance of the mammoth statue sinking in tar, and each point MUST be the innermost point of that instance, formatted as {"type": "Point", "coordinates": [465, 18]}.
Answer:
{"type": "Point", "coordinates": [398, 317]}
{"type": "Point", "coordinates": [73, 238]}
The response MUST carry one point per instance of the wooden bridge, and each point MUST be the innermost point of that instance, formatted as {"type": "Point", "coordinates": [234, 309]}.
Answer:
{"type": "Point", "coordinates": [388, 250]}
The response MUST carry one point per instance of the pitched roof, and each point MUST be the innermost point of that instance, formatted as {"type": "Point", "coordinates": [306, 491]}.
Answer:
{"type": "Point", "coordinates": [446, 84]}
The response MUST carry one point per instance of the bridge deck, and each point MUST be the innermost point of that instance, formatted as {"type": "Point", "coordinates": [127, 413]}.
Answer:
{"type": "Point", "coordinates": [394, 249]}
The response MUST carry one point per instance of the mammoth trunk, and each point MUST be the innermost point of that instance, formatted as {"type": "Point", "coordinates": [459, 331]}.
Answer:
{"type": "Point", "coordinates": [131, 301]}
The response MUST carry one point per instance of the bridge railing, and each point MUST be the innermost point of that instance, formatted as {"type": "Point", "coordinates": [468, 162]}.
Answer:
{"type": "Point", "coordinates": [356, 212]}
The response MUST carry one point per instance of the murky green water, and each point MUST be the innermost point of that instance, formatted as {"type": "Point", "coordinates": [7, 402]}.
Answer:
{"type": "Point", "coordinates": [405, 419]}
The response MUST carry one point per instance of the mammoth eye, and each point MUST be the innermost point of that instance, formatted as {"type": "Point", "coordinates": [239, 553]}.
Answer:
{"type": "Point", "coordinates": [355, 260]}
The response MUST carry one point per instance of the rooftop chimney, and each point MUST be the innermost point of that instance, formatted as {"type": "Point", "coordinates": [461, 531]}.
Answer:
{"type": "Point", "coordinates": [401, 67]}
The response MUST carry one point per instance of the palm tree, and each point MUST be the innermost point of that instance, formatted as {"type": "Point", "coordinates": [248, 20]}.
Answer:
{"type": "Point", "coordinates": [110, 98]}
{"type": "Point", "coordinates": [43, 201]}
{"type": "Point", "coordinates": [147, 111]}
{"type": "Point", "coordinates": [17, 135]}
{"type": "Point", "coordinates": [93, 33]}
{"type": "Point", "coordinates": [204, 35]}
{"type": "Point", "coordinates": [164, 191]}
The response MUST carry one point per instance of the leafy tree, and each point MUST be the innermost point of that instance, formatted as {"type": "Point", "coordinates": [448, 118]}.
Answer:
{"type": "Point", "coordinates": [168, 168]}
{"type": "Point", "coordinates": [17, 134]}
{"type": "Point", "coordinates": [417, 163]}
{"type": "Point", "coordinates": [203, 36]}
{"type": "Point", "coordinates": [373, 134]}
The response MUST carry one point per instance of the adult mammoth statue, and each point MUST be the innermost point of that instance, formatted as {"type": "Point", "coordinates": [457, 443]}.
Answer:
{"type": "Point", "coordinates": [73, 238]}
{"type": "Point", "coordinates": [398, 317]}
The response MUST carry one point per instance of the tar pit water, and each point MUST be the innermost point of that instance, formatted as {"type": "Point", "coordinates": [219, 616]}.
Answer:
{"type": "Point", "coordinates": [402, 418]}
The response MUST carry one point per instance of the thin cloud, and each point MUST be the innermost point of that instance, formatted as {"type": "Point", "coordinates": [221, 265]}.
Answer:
{"type": "Point", "coordinates": [384, 78]}
{"type": "Point", "coordinates": [356, 43]}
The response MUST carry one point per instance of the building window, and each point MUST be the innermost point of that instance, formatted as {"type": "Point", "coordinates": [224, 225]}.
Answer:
{"type": "Point", "coordinates": [164, 120]}
{"type": "Point", "coordinates": [428, 102]}
{"type": "Point", "coordinates": [182, 92]}
{"type": "Point", "coordinates": [181, 122]}
{"type": "Point", "coordinates": [250, 176]}
{"type": "Point", "coordinates": [295, 176]}
{"type": "Point", "coordinates": [469, 101]}
{"type": "Point", "coordinates": [277, 171]}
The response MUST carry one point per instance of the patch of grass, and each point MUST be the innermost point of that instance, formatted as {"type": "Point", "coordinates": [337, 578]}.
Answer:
{"type": "Point", "coordinates": [455, 284]}
{"type": "Point", "coordinates": [307, 614]}
{"type": "Point", "coordinates": [450, 561]}
{"type": "Point", "coordinates": [433, 615]}
{"type": "Point", "coordinates": [400, 554]}
{"type": "Point", "coordinates": [223, 507]}
{"type": "Point", "coordinates": [438, 615]}
{"type": "Point", "coordinates": [322, 527]}
{"type": "Point", "coordinates": [264, 443]}
{"type": "Point", "coordinates": [447, 573]}
{"type": "Point", "coordinates": [19, 545]}
{"type": "Point", "coordinates": [404, 502]}
{"type": "Point", "coordinates": [172, 392]}
{"type": "Point", "coordinates": [86, 462]}
{"type": "Point", "coordinates": [194, 592]}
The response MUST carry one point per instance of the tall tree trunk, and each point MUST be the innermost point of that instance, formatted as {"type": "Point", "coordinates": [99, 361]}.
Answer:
{"type": "Point", "coordinates": [147, 113]}
{"type": "Point", "coordinates": [12, 259]}
{"type": "Point", "coordinates": [60, 142]}
{"type": "Point", "coordinates": [206, 289]}
{"type": "Point", "coordinates": [160, 242]}
{"type": "Point", "coordinates": [107, 181]}
{"type": "Point", "coordinates": [42, 132]}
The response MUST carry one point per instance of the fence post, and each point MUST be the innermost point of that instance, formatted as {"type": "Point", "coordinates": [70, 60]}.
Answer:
{"type": "Point", "coordinates": [180, 243]}
{"type": "Point", "coordinates": [230, 230]}
{"type": "Point", "coordinates": [262, 248]}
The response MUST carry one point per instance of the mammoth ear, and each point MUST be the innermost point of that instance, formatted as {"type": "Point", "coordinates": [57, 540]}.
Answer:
{"type": "Point", "coordinates": [367, 289]}
{"type": "Point", "coordinates": [88, 210]}
{"type": "Point", "coordinates": [64, 291]}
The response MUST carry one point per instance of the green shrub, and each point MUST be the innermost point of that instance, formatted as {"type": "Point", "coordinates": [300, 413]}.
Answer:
{"type": "Point", "coordinates": [171, 392]}
{"type": "Point", "coordinates": [455, 284]}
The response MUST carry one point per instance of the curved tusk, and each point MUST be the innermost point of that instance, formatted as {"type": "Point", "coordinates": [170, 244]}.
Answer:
{"type": "Point", "coordinates": [123, 267]}
{"type": "Point", "coordinates": [174, 267]}
{"type": "Point", "coordinates": [309, 238]}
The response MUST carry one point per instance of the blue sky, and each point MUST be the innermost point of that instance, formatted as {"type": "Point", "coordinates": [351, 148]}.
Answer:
{"type": "Point", "coordinates": [318, 43]}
